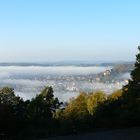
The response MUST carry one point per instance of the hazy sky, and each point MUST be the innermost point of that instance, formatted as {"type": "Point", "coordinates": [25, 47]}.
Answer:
{"type": "Point", "coordinates": [61, 30]}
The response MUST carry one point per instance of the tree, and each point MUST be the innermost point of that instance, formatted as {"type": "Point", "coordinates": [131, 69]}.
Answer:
{"type": "Point", "coordinates": [42, 107]}
{"type": "Point", "coordinates": [77, 108]}
{"type": "Point", "coordinates": [11, 110]}
{"type": "Point", "coordinates": [7, 96]}
{"type": "Point", "coordinates": [135, 74]}
{"type": "Point", "coordinates": [115, 95]}
{"type": "Point", "coordinates": [131, 93]}
{"type": "Point", "coordinates": [94, 100]}
{"type": "Point", "coordinates": [132, 90]}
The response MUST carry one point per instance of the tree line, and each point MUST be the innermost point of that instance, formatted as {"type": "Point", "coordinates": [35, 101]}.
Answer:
{"type": "Point", "coordinates": [46, 116]}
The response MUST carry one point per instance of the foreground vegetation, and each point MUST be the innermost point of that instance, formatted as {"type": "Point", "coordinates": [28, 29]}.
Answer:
{"type": "Point", "coordinates": [45, 116]}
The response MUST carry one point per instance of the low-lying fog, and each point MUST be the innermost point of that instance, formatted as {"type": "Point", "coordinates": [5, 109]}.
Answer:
{"type": "Point", "coordinates": [67, 81]}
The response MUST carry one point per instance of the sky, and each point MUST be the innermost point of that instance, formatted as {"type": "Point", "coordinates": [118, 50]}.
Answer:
{"type": "Point", "coordinates": [69, 30]}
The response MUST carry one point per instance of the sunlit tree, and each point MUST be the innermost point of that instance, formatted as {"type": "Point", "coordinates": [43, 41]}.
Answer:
{"type": "Point", "coordinates": [77, 108]}
{"type": "Point", "coordinates": [95, 99]}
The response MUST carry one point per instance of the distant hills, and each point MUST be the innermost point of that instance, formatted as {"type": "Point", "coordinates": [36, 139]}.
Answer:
{"type": "Point", "coordinates": [73, 63]}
